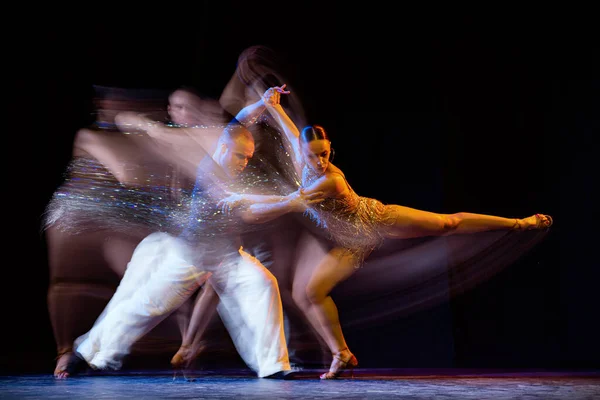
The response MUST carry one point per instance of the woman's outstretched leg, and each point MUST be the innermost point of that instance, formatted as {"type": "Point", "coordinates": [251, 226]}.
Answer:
{"type": "Point", "coordinates": [399, 222]}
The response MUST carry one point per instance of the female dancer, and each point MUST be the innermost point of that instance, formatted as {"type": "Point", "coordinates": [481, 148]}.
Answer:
{"type": "Point", "coordinates": [356, 224]}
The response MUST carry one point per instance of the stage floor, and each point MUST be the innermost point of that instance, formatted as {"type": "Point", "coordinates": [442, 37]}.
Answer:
{"type": "Point", "coordinates": [366, 384]}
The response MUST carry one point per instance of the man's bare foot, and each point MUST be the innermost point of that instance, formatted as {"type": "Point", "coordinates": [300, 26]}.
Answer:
{"type": "Point", "coordinates": [537, 221]}
{"type": "Point", "coordinates": [62, 363]}
{"type": "Point", "coordinates": [68, 364]}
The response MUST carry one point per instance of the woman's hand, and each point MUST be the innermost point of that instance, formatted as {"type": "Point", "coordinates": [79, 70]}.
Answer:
{"type": "Point", "coordinates": [272, 95]}
{"type": "Point", "coordinates": [230, 203]}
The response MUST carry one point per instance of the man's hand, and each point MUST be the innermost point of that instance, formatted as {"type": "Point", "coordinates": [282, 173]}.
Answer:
{"type": "Point", "coordinates": [300, 201]}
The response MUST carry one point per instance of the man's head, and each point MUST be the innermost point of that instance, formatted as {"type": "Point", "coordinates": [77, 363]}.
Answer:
{"type": "Point", "coordinates": [234, 149]}
{"type": "Point", "coordinates": [188, 108]}
{"type": "Point", "coordinates": [109, 101]}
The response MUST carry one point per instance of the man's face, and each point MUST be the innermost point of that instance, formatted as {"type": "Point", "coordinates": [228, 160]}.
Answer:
{"type": "Point", "coordinates": [185, 108]}
{"type": "Point", "coordinates": [235, 155]}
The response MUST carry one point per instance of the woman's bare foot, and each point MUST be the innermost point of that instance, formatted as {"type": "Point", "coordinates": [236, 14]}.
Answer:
{"type": "Point", "coordinates": [537, 221]}
{"type": "Point", "coordinates": [186, 355]}
{"type": "Point", "coordinates": [180, 358]}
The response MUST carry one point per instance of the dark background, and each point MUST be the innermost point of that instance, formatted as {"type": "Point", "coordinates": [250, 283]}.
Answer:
{"type": "Point", "coordinates": [491, 111]}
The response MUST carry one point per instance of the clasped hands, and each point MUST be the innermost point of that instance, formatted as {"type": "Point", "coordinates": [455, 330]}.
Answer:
{"type": "Point", "coordinates": [272, 95]}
